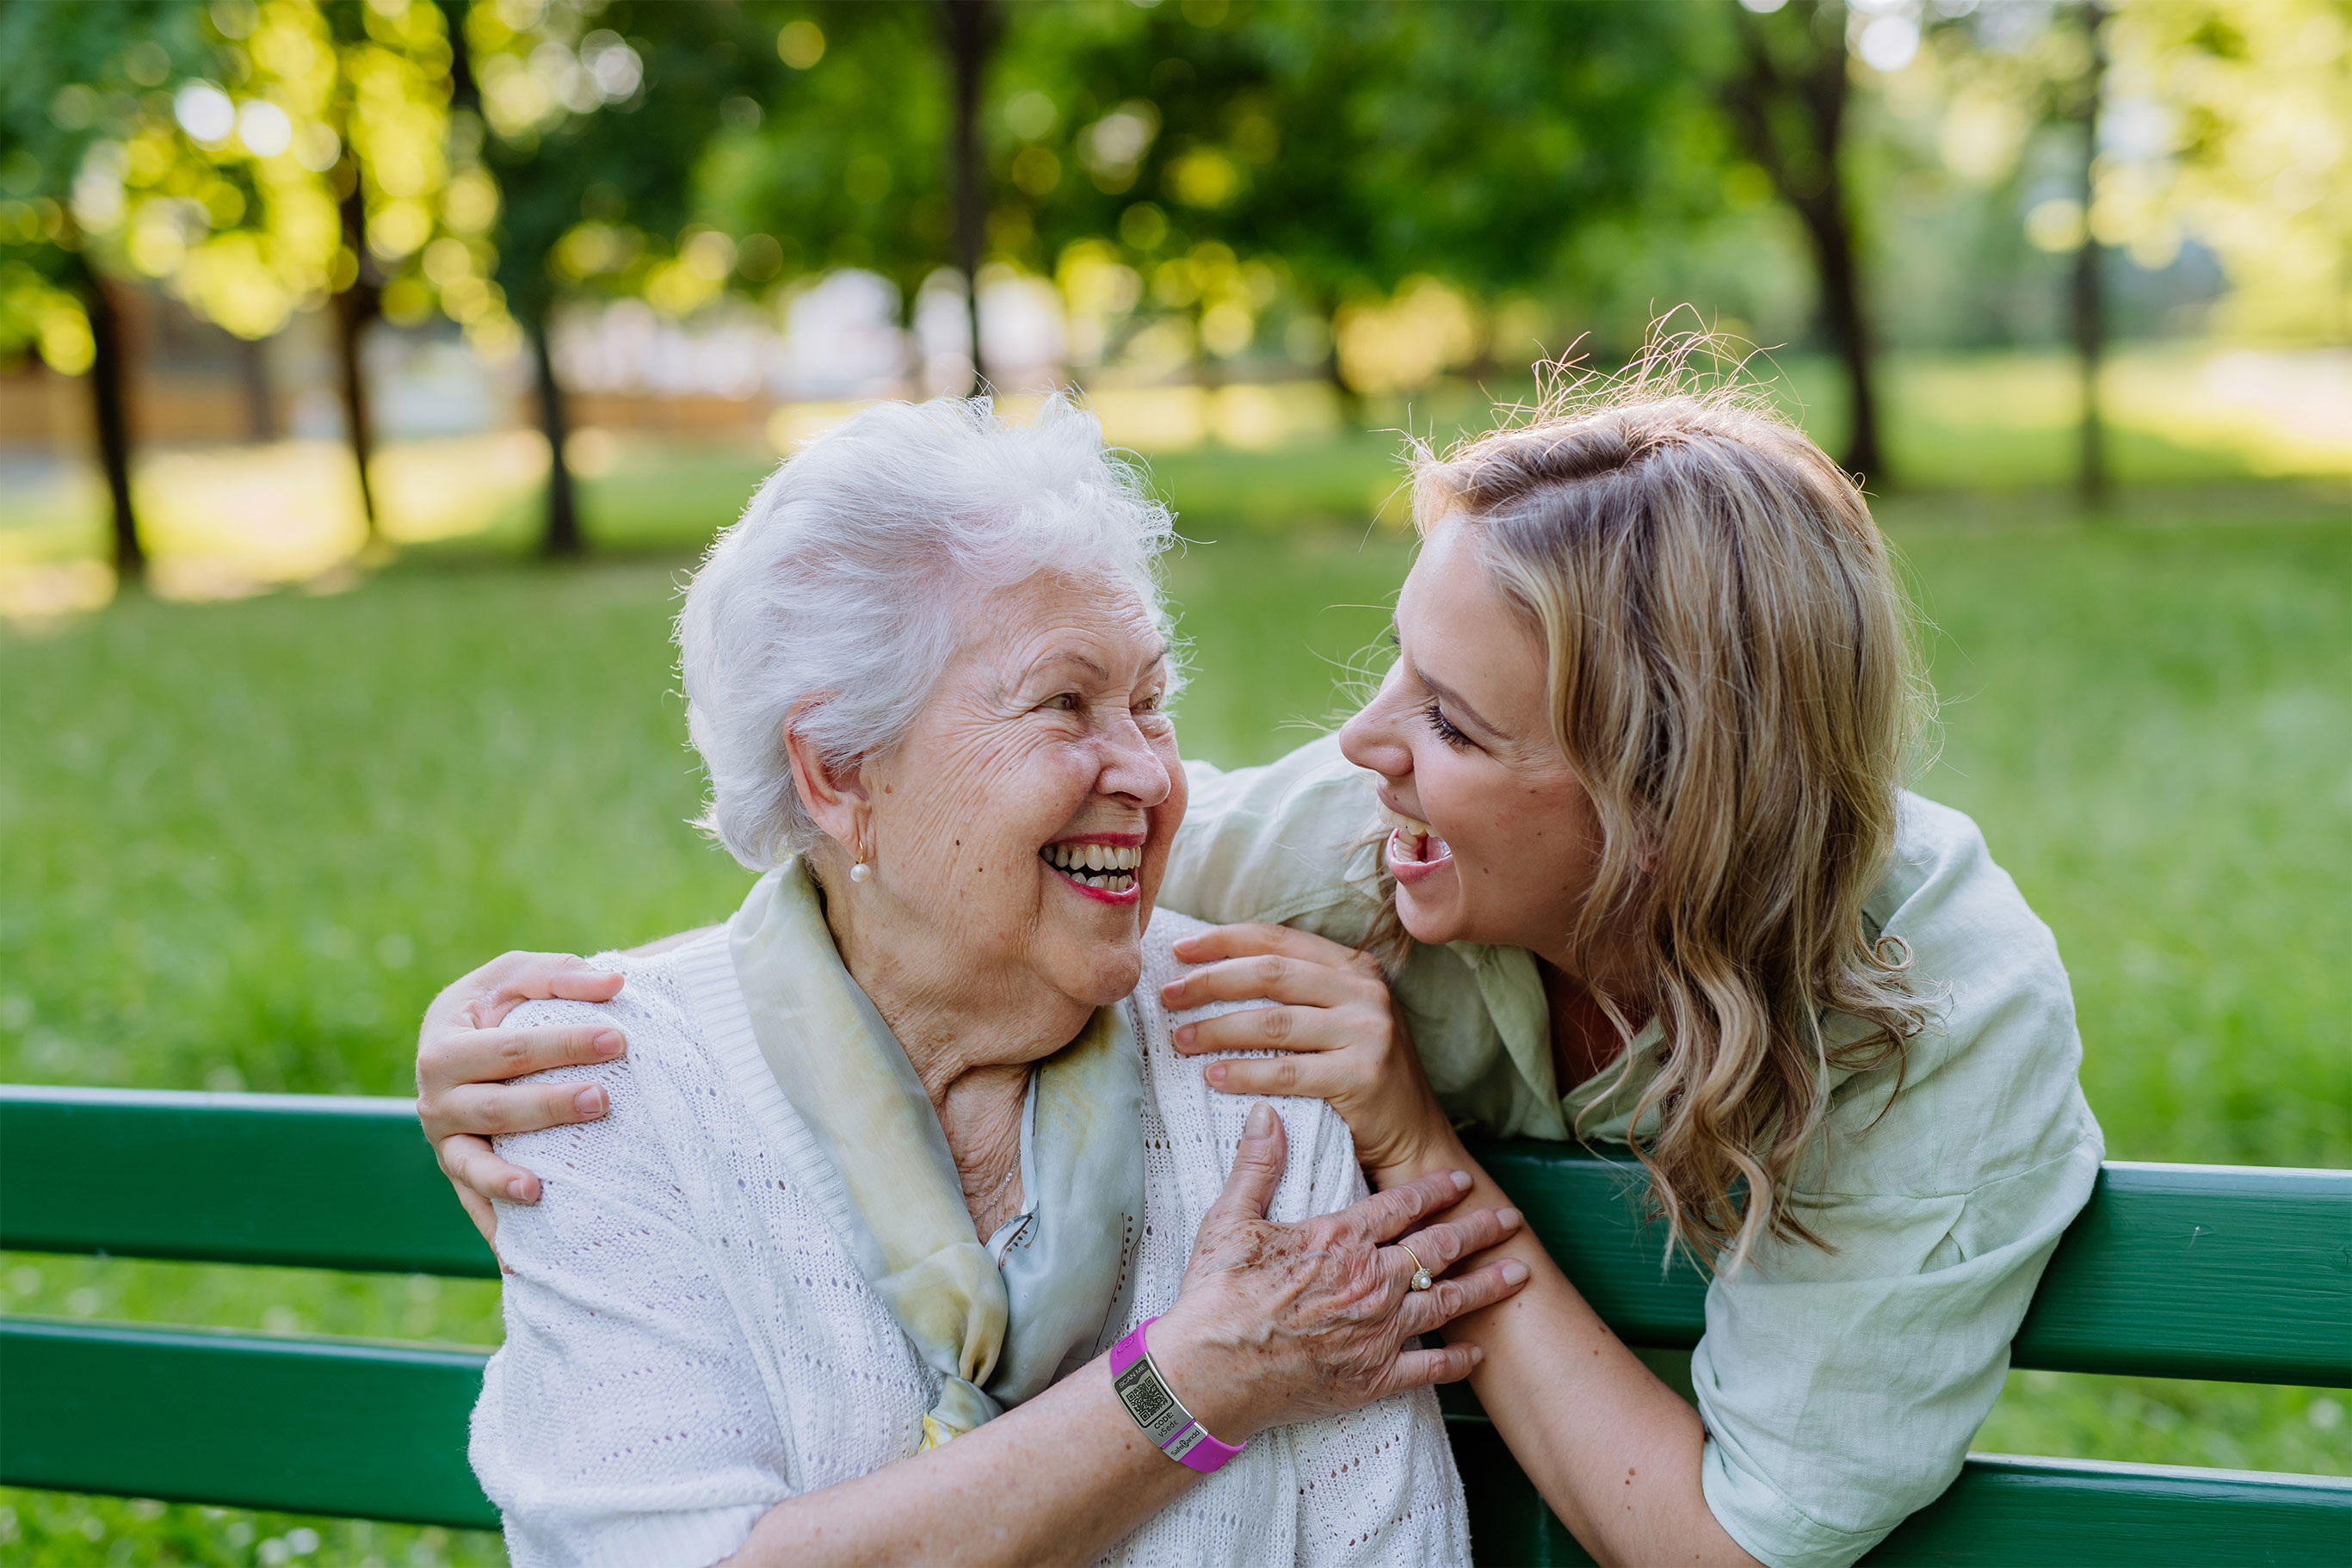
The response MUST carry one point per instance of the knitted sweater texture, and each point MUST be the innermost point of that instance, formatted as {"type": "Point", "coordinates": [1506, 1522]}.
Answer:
{"type": "Point", "coordinates": [688, 1341]}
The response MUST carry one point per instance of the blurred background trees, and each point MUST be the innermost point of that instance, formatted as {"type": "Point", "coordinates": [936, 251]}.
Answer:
{"type": "Point", "coordinates": [385, 300]}
{"type": "Point", "coordinates": [1378, 196]}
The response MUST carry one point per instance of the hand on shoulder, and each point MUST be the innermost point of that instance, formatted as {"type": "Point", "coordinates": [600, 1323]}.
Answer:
{"type": "Point", "coordinates": [1335, 1029]}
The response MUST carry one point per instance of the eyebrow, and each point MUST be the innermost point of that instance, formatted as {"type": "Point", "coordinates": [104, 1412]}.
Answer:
{"type": "Point", "coordinates": [1091, 664]}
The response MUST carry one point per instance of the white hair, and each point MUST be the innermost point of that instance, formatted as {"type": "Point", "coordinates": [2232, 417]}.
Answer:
{"type": "Point", "coordinates": [837, 598]}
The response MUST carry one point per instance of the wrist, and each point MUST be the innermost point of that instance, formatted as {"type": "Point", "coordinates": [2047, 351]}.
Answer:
{"type": "Point", "coordinates": [1204, 1370]}
{"type": "Point", "coordinates": [1430, 1146]}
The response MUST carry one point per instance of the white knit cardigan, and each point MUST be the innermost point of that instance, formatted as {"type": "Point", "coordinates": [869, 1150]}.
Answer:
{"type": "Point", "coordinates": [688, 1341]}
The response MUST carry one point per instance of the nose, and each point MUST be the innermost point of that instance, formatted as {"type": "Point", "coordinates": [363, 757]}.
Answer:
{"type": "Point", "coordinates": [1374, 738]}
{"type": "Point", "coordinates": [1130, 767]}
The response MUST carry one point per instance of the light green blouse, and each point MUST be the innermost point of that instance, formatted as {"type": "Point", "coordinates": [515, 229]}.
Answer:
{"type": "Point", "coordinates": [1840, 1388]}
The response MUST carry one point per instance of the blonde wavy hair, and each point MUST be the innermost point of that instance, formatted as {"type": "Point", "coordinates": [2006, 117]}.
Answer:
{"type": "Point", "coordinates": [1733, 680]}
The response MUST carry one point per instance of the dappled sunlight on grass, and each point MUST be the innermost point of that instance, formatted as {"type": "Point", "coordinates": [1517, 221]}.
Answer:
{"type": "Point", "coordinates": [2265, 414]}
{"type": "Point", "coordinates": [227, 522]}
{"type": "Point", "coordinates": [430, 491]}
{"type": "Point", "coordinates": [256, 515]}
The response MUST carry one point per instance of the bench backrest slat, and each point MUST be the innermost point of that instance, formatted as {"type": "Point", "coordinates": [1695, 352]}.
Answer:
{"type": "Point", "coordinates": [2232, 1273]}
{"type": "Point", "coordinates": [304, 1181]}
{"type": "Point", "coordinates": [379, 1431]}
{"type": "Point", "coordinates": [2172, 1271]}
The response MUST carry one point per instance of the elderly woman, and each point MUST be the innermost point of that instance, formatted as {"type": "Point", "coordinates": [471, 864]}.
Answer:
{"type": "Point", "coordinates": [901, 1165]}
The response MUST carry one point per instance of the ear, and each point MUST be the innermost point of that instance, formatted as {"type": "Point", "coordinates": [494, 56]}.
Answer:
{"type": "Point", "coordinates": [835, 794]}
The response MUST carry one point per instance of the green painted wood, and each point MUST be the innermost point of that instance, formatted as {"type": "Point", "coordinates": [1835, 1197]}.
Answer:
{"type": "Point", "coordinates": [1587, 1210]}
{"type": "Point", "coordinates": [2234, 1273]}
{"type": "Point", "coordinates": [2014, 1513]}
{"type": "Point", "coordinates": [379, 1431]}
{"type": "Point", "coordinates": [306, 1181]}
{"type": "Point", "coordinates": [2208, 1271]}
{"type": "Point", "coordinates": [2173, 1271]}
{"type": "Point", "coordinates": [2068, 1513]}
{"type": "Point", "coordinates": [298, 1426]}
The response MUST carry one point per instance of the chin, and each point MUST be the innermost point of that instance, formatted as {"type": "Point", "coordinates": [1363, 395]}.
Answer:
{"type": "Point", "coordinates": [1428, 926]}
{"type": "Point", "coordinates": [1106, 978]}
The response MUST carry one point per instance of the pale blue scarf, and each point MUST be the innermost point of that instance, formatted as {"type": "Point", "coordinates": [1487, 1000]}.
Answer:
{"type": "Point", "coordinates": [1000, 1320]}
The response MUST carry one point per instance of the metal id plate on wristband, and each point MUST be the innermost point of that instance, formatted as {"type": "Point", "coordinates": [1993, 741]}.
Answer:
{"type": "Point", "coordinates": [1165, 1421]}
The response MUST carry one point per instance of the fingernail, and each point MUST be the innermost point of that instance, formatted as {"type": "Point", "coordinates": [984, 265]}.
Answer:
{"type": "Point", "coordinates": [1462, 1181]}
{"type": "Point", "coordinates": [1261, 1120]}
{"type": "Point", "coordinates": [1184, 1035]}
{"type": "Point", "coordinates": [589, 1102]}
{"type": "Point", "coordinates": [608, 1044]}
{"type": "Point", "coordinates": [1476, 1356]}
{"type": "Point", "coordinates": [1215, 1072]}
{"type": "Point", "coordinates": [518, 1190]}
{"type": "Point", "coordinates": [1514, 1271]}
{"type": "Point", "coordinates": [1508, 1219]}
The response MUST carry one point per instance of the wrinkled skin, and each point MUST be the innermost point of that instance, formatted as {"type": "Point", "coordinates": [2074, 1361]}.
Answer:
{"type": "Point", "coordinates": [1318, 1317]}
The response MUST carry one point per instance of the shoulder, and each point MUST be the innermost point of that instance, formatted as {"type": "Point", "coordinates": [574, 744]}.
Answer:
{"type": "Point", "coordinates": [1970, 930]}
{"type": "Point", "coordinates": [1161, 965]}
{"type": "Point", "coordinates": [1203, 1126]}
{"type": "Point", "coordinates": [658, 1010]}
{"type": "Point", "coordinates": [1991, 1086]}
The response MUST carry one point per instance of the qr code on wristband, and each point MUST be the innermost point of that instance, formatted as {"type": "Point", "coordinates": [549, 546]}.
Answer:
{"type": "Point", "coordinates": [1141, 1393]}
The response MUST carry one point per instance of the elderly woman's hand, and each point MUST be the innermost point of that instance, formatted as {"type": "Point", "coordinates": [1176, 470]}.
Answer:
{"type": "Point", "coordinates": [463, 1056]}
{"type": "Point", "coordinates": [1282, 1323]}
{"type": "Point", "coordinates": [1338, 1029]}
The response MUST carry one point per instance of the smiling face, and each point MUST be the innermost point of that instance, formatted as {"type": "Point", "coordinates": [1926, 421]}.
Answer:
{"type": "Point", "coordinates": [1019, 832]}
{"type": "Point", "coordinates": [1493, 839]}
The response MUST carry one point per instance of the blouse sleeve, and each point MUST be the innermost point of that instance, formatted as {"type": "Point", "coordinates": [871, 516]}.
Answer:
{"type": "Point", "coordinates": [625, 1420]}
{"type": "Point", "coordinates": [1840, 1385]}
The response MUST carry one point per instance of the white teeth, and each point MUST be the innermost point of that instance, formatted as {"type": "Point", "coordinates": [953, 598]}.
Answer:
{"type": "Point", "coordinates": [1120, 861]}
{"type": "Point", "coordinates": [1411, 827]}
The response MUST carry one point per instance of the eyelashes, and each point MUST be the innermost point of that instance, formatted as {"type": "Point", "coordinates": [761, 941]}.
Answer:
{"type": "Point", "coordinates": [1445, 731]}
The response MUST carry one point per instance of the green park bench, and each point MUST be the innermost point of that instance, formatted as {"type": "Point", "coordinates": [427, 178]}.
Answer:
{"type": "Point", "coordinates": [2197, 1271]}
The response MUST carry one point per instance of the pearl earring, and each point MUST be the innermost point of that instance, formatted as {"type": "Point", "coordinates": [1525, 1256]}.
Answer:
{"type": "Point", "coordinates": [860, 871]}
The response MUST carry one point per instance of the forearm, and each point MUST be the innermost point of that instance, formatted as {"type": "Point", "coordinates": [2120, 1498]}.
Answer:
{"type": "Point", "coordinates": [1058, 1479]}
{"type": "Point", "coordinates": [1615, 1452]}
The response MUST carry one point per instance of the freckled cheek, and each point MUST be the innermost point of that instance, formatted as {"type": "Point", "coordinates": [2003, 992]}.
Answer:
{"type": "Point", "coordinates": [987, 811]}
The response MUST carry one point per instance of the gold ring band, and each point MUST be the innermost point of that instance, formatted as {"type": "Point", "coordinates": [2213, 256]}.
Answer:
{"type": "Point", "coordinates": [1421, 1279]}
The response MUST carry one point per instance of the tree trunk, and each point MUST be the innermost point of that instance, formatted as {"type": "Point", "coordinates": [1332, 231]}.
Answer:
{"type": "Point", "coordinates": [260, 400]}
{"type": "Point", "coordinates": [2089, 302]}
{"type": "Point", "coordinates": [563, 538]}
{"type": "Point", "coordinates": [971, 27]}
{"type": "Point", "coordinates": [1831, 229]}
{"type": "Point", "coordinates": [355, 307]}
{"type": "Point", "coordinates": [1808, 170]}
{"type": "Point", "coordinates": [109, 374]}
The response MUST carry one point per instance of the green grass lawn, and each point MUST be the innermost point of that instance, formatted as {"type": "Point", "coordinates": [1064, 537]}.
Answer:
{"type": "Point", "coordinates": [241, 845]}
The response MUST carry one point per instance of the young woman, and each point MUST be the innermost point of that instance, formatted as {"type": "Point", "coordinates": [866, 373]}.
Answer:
{"type": "Point", "coordinates": [1648, 876]}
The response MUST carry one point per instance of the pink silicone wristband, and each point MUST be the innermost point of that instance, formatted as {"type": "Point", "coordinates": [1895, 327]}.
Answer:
{"type": "Point", "coordinates": [1189, 1443]}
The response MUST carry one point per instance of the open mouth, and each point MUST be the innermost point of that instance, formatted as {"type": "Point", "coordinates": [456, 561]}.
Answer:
{"type": "Point", "coordinates": [1413, 850]}
{"type": "Point", "coordinates": [1101, 867]}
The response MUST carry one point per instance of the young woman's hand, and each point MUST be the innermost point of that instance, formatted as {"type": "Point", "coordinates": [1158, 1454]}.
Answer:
{"type": "Point", "coordinates": [1341, 1034]}
{"type": "Point", "coordinates": [464, 1056]}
